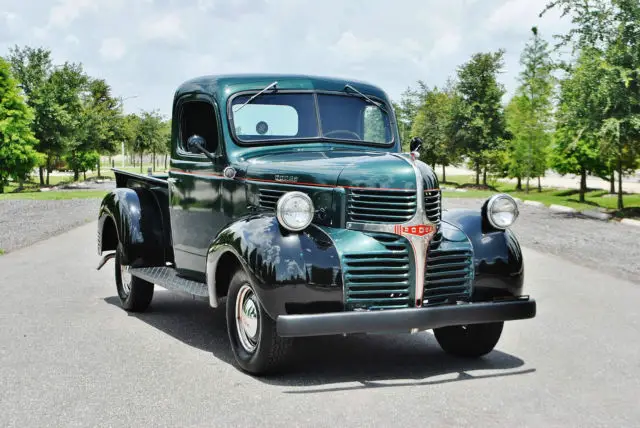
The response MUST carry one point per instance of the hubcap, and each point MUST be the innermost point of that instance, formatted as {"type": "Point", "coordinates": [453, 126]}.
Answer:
{"type": "Point", "coordinates": [247, 313]}
{"type": "Point", "coordinates": [125, 278]}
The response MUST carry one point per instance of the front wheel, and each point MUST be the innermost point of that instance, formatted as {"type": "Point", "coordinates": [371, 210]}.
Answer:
{"type": "Point", "coordinates": [473, 340]}
{"type": "Point", "coordinates": [255, 343]}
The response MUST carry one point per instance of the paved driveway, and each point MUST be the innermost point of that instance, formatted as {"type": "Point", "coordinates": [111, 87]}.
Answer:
{"type": "Point", "coordinates": [69, 356]}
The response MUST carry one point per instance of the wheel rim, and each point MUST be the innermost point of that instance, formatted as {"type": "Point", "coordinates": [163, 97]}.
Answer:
{"type": "Point", "coordinates": [125, 279]}
{"type": "Point", "coordinates": [247, 318]}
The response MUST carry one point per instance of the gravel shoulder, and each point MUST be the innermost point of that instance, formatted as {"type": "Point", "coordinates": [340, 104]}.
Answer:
{"type": "Point", "coordinates": [25, 222]}
{"type": "Point", "coordinates": [607, 246]}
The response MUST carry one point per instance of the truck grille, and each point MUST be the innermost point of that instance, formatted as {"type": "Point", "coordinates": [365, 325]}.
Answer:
{"type": "Point", "coordinates": [379, 280]}
{"type": "Point", "coordinates": [432, 206]}
{"type": "Point", "coordinates": [381, 206]}
{"type": "Point", "coordinates": [449, 273]}
{"type": "Point", "coordinates": [268, 198]}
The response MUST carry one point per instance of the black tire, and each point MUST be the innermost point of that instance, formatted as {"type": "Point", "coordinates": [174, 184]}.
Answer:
{"type": "Point", "coordinates": [270, 350]}
{"type": "Point", "coordinates": [470, 341]}
{"type": "Point", "coordinates": [136, 297]}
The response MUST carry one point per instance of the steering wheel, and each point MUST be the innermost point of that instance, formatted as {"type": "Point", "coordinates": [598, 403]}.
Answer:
{"type": "Point", "coordinates": [344, 131]}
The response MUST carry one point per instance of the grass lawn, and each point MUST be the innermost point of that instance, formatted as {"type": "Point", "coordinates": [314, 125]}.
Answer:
{"type": "Point", "coordinates": [594, 199]}
{"type": "Point", "coordinates": [55, 195]}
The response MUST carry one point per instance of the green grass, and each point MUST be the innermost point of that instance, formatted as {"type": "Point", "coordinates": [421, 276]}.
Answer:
{"type": "Point", "coordinates": [1, 252]}
{"type": "Point", "coordinates": [55, 195]}
{"type": "Point", "coordinates": [594, 199]}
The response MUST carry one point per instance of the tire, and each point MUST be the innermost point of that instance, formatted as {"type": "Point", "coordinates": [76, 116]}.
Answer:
{"type": "Point", "coordinates": [470, 341]}
{"type": "Point", "coordinates": [255, 344]}
{"type": "Point", "coordinates": [135, 294]}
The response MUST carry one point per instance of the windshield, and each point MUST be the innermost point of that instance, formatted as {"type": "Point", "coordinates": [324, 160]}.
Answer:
{"type": "Point", "coordinates": [302, 116]}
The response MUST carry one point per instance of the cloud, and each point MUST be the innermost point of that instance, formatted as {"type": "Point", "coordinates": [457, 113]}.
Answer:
{"type": "Point", "coordinates": [166, 28]}
{"type": "Point", "coordinates": [72, 40]}
{"type": "Point", "coordinates": [113, 49]}
{"type": "Point", "coordinates": [67, 11]}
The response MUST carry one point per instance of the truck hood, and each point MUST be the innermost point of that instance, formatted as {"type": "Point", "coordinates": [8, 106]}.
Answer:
{"type": "Point", "coordinates": [334, 168]}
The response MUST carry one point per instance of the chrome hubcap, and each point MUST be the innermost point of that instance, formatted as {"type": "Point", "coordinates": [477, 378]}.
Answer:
{"type": "Point", "coordinates": [125, 278]}
{"type": "Point", "coordinates": [247, 313]}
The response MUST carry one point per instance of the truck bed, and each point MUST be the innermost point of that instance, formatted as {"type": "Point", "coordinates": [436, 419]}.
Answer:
{"type": "Point", "coordinates": [133, 179]}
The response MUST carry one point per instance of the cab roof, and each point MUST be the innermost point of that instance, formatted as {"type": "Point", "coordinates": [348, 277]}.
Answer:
{"type": "Point", "coordinates": [223, 85]}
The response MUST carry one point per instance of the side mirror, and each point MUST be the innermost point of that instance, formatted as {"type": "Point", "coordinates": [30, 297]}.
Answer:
{"type": "Point", "coordinates": [196, 144]}
{"type": "Point", "coordinates": [415, 144]}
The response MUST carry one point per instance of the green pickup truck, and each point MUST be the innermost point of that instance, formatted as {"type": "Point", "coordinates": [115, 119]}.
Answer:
{"type": "Point", "coordinates": [289, 202]}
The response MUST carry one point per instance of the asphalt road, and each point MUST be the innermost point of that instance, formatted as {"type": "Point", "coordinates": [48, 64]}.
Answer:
{"type": "Point", "coordinates": [69, 356]}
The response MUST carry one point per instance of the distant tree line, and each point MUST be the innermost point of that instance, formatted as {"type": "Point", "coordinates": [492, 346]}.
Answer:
{"type": "Point", "coordinates": [55, 116]}
{"type": "Point", "coordinates": [577, 116]}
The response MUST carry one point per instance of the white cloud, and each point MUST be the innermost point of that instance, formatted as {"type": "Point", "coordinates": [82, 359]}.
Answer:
{"type": "Point", "coordinates": [447, 44]}
{"type": "Point", "coordinates": [72, 40]}
{"type": "Point", "coordinates": [67, 11]}
{"type": "Point", "coordinates": [167, 27]}
{"type": "Point", "coordinates": [113, 49]}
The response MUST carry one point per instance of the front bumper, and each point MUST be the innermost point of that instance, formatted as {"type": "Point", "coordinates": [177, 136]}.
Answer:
{"type": "Point", "coordinates": [389, 320]}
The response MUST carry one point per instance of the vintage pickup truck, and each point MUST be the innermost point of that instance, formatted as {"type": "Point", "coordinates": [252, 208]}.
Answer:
{"type": "Point", "coordinates": [290, 202]}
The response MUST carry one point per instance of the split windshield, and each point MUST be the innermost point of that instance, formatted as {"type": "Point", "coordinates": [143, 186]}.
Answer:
{"type": "Point", "coordinates": [285, 117]}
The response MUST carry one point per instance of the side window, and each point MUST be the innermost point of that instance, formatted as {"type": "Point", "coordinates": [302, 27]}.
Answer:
{"type": "Point", "coordinates": [198, 117]}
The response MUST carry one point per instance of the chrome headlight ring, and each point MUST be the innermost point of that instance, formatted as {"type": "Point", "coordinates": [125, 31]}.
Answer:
{"type": "Point", "coordinates": [295, 211]}
{"type": "Point", "coordinates": [502, 211]}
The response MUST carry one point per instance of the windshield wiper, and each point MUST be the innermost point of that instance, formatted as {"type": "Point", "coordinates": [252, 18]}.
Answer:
{"type": "Point", "coordinates": [258, 94]}
{"type": "Point", "coordinates": [377, 104]}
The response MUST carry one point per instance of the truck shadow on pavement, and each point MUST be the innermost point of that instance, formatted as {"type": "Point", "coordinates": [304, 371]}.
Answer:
{"type": "Point", "coordinates": [372, 361]}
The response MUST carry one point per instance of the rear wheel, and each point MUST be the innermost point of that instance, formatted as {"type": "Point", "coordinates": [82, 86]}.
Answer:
{"type": "Point", "coordinates": [135, 294]}
{"type": "Point", "coordinates": [255, 343]}
{"type": "Point", "coordinates": [473, 340]}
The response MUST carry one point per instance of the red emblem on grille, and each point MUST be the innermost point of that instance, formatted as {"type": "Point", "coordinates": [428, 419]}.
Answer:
{"type": "Point", "coordinates": [417, 230]}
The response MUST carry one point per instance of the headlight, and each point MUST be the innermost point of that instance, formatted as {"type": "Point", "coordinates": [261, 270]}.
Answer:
{"type": "Point", "coordinates": [295, 211]}
{"type": "Point", "coordinates": [502, 211]}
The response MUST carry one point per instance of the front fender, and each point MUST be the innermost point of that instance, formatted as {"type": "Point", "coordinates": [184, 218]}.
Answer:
{"type": "Point", "coordinates": [499, 266]}
{"type": "Point", "coordinates": [292, 272]}
{"type": "Point", "coordinates": [137, 220]}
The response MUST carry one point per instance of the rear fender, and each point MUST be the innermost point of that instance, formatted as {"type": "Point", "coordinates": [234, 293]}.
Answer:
{"type": "Point", "coordinates": [135, 217]}
{"type": "Point", "coordinates": [499, 266]}
{"type": "Point", "coordinates": [290, 271]}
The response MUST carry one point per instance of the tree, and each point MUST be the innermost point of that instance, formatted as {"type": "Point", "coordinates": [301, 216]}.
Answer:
{"type": "Point", "coordinates": [478, 122]}
{"type": "Point", "coordinates": [576, 147]}
{"type": "Point", "coordinates": [529, 113]}
{"type": "Point", "coordinates": [433, 124]}
{"type": "Point", "coordinates": [54, 95]}
{"type": "Point", "coordinates": [17, 155]}
{"type": "Point", "coordinates": [609, 30]}
{"type": "Point", "coordinates": [407, 109]}
{"type": "Point", "coordinates": [148, 134]}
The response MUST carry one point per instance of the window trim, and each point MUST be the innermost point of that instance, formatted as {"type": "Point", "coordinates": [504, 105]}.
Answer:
{"type": "Point", "coordinates": [180, 149]}
{"type": "Point", "coordinates": [321, 138]}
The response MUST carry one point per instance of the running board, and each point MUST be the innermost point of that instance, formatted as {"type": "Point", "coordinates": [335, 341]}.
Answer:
{"type": "Point", "coordinates": [168, 278]}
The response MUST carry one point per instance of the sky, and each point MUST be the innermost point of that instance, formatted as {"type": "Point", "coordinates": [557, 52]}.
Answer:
{"type": "Point", "coordinates": [146, 48]}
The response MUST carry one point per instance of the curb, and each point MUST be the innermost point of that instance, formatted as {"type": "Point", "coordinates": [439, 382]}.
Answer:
{"type": "Point", "coordinates": [533, 203]}
{"type": "Point", "coordinates": [596, 215]}
{"type": "Point", "coordinates": [561, 209]}
{"type": "Point", "coordinates": [630, 222]}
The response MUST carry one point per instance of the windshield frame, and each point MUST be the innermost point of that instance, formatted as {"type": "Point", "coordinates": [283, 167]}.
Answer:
{"type": "Point", "coordinates": [319, 138]}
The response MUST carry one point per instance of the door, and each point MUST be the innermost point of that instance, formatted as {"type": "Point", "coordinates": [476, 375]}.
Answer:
{"type": "Point", "coordinates": [195, 185]}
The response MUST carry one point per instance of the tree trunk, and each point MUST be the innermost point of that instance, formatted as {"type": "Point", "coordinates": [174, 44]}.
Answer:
{"type": "Point", "coordinates": [527, 186]}
{"type": "Point", "coordinates": [1, 188]}
{"type": "Point", "coordinates": [41, 169]}
{"type": "Point", "coordinates": [140, 162]}
{"type": "Point", "coordinates": [48, 167]}
{"type": "Point", "coordinates": [583, 183]}
{"type": "Point", "coordinates": [519, 184]}
{"type": "Point", "coordinates": [613, 182]}
{"type": "Point", "coordinates": [99, 169]}
{"type": "Point", "coordinates": [484, 176]}
{"type": "Point", "coordinates": [76, 174]}
{"type": "Point", "coordinates": [477, 173]}
{"type": "Point", "coordinates": [620, 200]}
{"type": "Point", "coordinates": [165, 161]}
{"type": "Point", "coordinates": [153, 160]}
{"type": "Point", "coordinates": [444, 174]}
{"type": "Point", "coordinates": [84, 175]}
{"type": "Point", "coordinates": [539, 185]}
